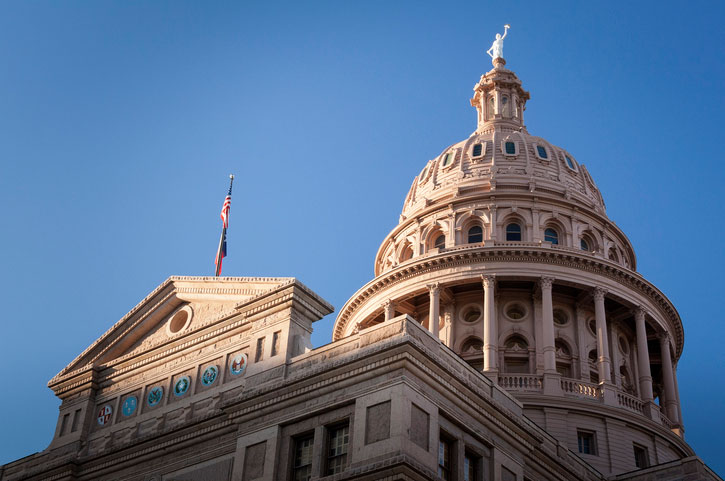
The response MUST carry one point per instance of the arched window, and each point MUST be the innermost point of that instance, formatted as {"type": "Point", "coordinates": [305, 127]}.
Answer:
{"type": "Point", "coordinates": [550, 235]}
{"type": "Point", "coordinates": [407, 253]}
{"type": "Point", "coordinates": [513, 232]}
{"type": "Point", "coordinates": [593, 368]}
{"type": "Point", "coordinates": [440, 242]}
{"type": "Point", "coordinates": [505, 107]}
{"type": "Point", "coordinates": [475, 234]}
{"type": "Point", "coordinates": [491, 107]}
{"type": "Point", "coordinates": [584, 244]}
{"type": "Point", "coordinates": [613, 255]}
{"type": "Point", "coordinates": [569, 162]}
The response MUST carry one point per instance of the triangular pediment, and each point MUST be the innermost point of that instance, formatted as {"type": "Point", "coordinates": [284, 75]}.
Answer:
{"type": "Point", "coordinates": [178, 306]}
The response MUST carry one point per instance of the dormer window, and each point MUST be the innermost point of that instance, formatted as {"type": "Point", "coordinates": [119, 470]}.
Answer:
{"type": "Point", "coordinates": [542, 153]}
{"type": "Point", "coordinates": [448, 159]}
{"type": "Point", "coordinates": [477, 150]}
{"type": "Point", "coordinates": [510, 147]}
{"type": "Point", "coordinates": [569, 162]}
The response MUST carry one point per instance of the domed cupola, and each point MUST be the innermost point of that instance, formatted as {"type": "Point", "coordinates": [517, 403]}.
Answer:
{"type": "Point", "coordinates": [504, 252]}
{"type": "Point", "coordinates": [499, 99]}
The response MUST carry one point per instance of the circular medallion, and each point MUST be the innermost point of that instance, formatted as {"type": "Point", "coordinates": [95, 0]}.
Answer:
{"type": "Point", "coordinates": [182, 385]}
{"type": "Point", "coordinates": [104, 415]}
{"type": "Point", "coordinates": [238, 364]}
{"type": "Point", "coordinates": [155, 395]}
{"type": "Point", "coordinates": [129, 406]}
{"type": "Point", "coordinates": [210, 375]}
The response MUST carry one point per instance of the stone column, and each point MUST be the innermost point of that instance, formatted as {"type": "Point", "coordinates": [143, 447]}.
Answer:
{"type": "Point", "coordinates": [580, 324]}
{"type": "Point", "coordinates": [547, 311]}
{"type": "Point", "coordinates": [490, 329]}
{"type": "Point", "coordinates": [492, 211]}
{"type": "Point", "coordinates": [434, 310]}
{"type": "Point", "coordinates": [614, 337]}
{"type": "Point", "coordinates": [389, 309]}
{"type": "Point", "coordinates": [605, 371]}
{"type": "Point", "coordinates": [645, 374]}
{"type": "Point", "coordinates": [668, 379]}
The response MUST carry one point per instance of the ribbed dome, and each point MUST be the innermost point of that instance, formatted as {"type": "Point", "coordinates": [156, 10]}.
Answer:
{"type": "Point", "coordinates": [535, 165]}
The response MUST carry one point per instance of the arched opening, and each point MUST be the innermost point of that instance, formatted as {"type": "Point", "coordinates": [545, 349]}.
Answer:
{"type": "Point", "coordinates": [407, 253]}
{"type": "Point", "coordinates": [439, 242]}
{"type": "Point", "coordinates": [613, 256]}
{"type": "Point", "coordinates": [516, 355]}
{"type": "Point", "coordinates": [513, 232]}
{"type": "Point", "coordinates": [472, 352]}
{"type": "Point", "coordinates": [551, 235]}
{"type": "Point", "coordinates": [593, 368]}
{"type": "Point", "coordinates": [475, 234]}
{"type": "Point", "coordinates": [563, 358]}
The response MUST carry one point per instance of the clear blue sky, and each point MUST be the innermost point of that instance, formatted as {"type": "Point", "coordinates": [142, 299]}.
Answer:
{"type": "Point", "coordinates": [120, 122]}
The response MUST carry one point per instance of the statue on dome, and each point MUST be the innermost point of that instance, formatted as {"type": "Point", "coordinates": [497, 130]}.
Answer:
{"type": "Point", "coordinates": [496, 50]}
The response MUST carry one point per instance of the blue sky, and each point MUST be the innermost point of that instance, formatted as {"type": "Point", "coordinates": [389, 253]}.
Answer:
{"type": "Point", "coordinates": [120, 122]}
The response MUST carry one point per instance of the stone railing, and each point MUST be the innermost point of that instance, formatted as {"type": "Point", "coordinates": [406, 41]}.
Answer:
{"type": "Point", "coordinates": [630, 402]}
{"type": "Point", "coordinates": [580, 389]}
{"type": "Point", "coordinates": [664, 419]}
{"type": "Point", "coordinates": [520, 382]}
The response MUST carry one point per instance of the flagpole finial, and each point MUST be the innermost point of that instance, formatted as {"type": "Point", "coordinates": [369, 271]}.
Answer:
{"type": "Point", "coordinates": [231, 176]}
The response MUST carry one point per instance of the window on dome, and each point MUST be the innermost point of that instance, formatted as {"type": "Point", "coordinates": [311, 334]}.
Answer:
{"type": "Point", "coordinates": [491, 107]}
{"type": "Point", "coordinates": [447, 159]}
{"type": "Point", "coordinates": [542, 152]}
{"type": "Point", "coordinates": [584, 245]}
{"type": "Point", "coordinates": [550, 235]}
{"type": "Point", "coordinates": [407, 254]}
{"type": "Point", "coordinates": [505, 107]}
{"type": "Point", "coordinates": [440, 242]}
{"type": "Point", "coordinates": [587, 442]}
{"type": "Point", "coordinates": [475, 234]}
{"type": "Point", "coordinates": [641, 457]}
{"type": "Point", "coordinates": [569, 162]}
{"type": "Point", "coordinates": [613, 255]}
{"type": "Point", "coordinates": [477, 150]}
{"type": "Point", "coordinates": [510, 148]}
{"type": "Point", "coordinates": [513, 232]}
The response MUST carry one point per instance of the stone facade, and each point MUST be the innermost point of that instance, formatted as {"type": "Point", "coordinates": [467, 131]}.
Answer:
{"type": "Point", "coordinates": [506, 337]}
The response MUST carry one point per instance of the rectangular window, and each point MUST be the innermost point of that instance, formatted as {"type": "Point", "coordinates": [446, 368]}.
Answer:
{"type": "Point", "coordinates": [275, 343]}
{"type": "Point", "coordinates": [471, 469]}
{"type": "Point", "coordinates": [302, 464]}
{"type": "Point", "coordinates": [641, 456]}
{"type": "Point", "coordinates": [587, 442]}
{"type": "Point", "coordinates": [338, 443]}
{"type": "Point", "coordinates": [445, 467]}
{"type": "Point", "coordinates": [542, 152]}
{"type": "Point", "coordinates": [260, 350]}
{"type": "Point", "coordinates": [510, 148]}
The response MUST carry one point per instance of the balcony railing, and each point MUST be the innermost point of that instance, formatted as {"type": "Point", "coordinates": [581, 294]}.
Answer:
{"type": "Point", "coordinates": [521, 382]}
{"type": "Point", "coordinates": [581, 389]}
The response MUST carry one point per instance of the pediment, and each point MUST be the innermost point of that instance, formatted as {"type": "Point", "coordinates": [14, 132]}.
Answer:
{"type": "Point", "coordinates": [178, 306]}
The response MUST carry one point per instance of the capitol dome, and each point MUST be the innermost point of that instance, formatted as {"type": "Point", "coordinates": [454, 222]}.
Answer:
{"type": "Point", "coordinates": [504, 252]}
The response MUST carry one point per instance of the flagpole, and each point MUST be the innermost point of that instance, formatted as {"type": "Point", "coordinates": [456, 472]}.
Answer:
{"type": "Point", "coordinates": [221, 251]}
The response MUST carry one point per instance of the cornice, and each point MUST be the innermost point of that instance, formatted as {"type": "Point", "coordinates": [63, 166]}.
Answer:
{"type": "Point", "coordinates": [465, 255]}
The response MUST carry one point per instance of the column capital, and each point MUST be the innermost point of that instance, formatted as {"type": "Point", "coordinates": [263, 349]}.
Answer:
{"type": "Point", "coordinates": [639, 312]}
{"type": "Point", "coordinates": [434, 288]}
{"type": "Point", "coordinates": [386, 303]}
{"type": "Point", "coordinates": [598, 293]}
{"type": "Point", "coordinates": [546, 282]}
{"type": "Point", "coordinates": [664, 337]}
{"type": "Point", "coordinates": [488, 280]}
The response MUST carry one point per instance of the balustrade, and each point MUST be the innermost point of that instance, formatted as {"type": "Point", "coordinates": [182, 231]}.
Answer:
{"type": "Point", "coordinates": [580, 389]}
{"type": "Point", "coordinates": [630, 402]}
{"type": "Point", "coordinates": [520, 382]}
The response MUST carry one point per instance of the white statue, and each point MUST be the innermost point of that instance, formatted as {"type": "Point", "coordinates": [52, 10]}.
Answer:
{"type": "Point", "coordinates": [496, 49]}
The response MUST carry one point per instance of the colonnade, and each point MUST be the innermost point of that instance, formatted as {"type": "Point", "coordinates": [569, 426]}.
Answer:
{"type": "Point", "coordinates": [670, 406]}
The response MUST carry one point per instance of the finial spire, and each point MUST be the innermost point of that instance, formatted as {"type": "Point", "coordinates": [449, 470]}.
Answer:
{"type": "Point", "coordinates": [496, 50]}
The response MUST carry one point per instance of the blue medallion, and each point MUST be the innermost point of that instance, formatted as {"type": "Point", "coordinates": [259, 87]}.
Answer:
{"type": "Point", "coordinates": [155, 395]}
{"type": "Point", "coordinates": [238, 364]}
{"type": "Point", "coordinates": [210, 375]}
{"type": "Point", "coordinates": [182, 385]}
{"type": "Point", "coordinates": [129, 406]}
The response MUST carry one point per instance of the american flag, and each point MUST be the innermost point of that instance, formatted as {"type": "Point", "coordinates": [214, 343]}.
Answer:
{"type": "Point", "coordinates": [222, 250]}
